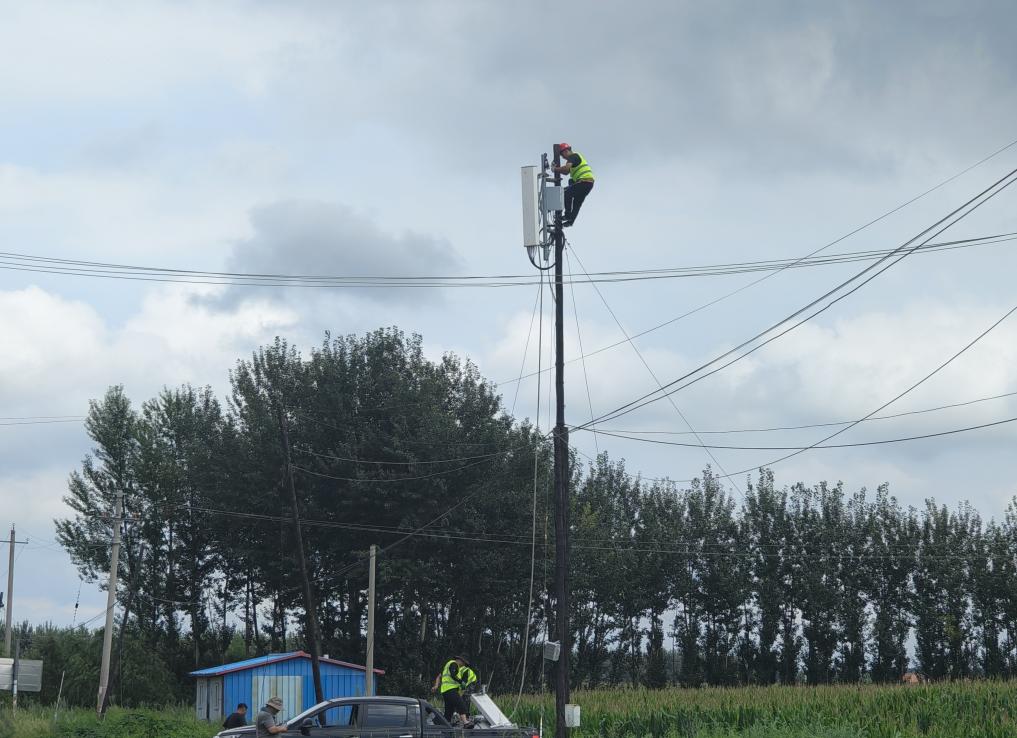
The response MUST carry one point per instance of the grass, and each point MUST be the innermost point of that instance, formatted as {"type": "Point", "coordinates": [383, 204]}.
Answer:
{"type": "Point", "coordinates": [973, 709]}
{"type": "Point", "coordinates": [37, 722]}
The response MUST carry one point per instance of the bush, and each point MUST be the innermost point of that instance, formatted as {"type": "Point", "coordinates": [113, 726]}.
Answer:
{"type": "Point", "coordinates": [38, 722]}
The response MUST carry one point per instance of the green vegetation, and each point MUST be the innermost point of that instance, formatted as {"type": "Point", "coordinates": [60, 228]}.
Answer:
{"type": "Point", "coordinates": [39, 722]}
{"type": "Point", "coordinates": [985, 709]}
{"type": "Point", "coordinates": [672, 583]}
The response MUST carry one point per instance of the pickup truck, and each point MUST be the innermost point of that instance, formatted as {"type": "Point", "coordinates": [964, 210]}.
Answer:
{"type": "Point", "coordinates": [390, 717]}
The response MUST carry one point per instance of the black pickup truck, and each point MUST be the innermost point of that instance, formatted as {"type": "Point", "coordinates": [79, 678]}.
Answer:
{"type": "Point", "coordinates": [381, 717]}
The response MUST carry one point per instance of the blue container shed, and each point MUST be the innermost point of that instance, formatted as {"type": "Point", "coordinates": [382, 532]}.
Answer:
{"type": "Point", "coordinates": [219, 689]}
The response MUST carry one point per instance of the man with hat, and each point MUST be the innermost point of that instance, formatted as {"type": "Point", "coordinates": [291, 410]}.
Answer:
{"type": "Point", "coordinates": [449, 682]}
{"type": "Point", "coordinates": [265, 722]}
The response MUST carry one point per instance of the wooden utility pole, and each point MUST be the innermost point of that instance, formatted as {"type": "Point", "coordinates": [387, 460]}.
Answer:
{"type": "Point", "coordinates": [10, 596]}
{"type": "Point", "coordinates": [111, 599]}
{"type": "Point", "coordinates": [369, 673]}
{"type": "Point", "coordinates": [561, 477]}
{"type": "Point", "coordinates": [309, 604]}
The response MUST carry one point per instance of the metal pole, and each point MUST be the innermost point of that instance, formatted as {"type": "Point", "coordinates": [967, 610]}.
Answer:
{"type": "Point", "coordinates": [111, 598]}
{"type": "Point", "coordinates": [561, 478]}
{"type": "Point", "coordinates": [312, 614]}
{"type": "Point", "coordinates": [14, 680]}
{"type": "Point", "coordinates": [369, 673]}
{"type": "Point", "coordinates": [10, 597]}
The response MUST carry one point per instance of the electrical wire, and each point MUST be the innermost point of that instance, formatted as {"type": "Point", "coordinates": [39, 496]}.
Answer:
{"type": "Point", "coordinates": [847, 235]}
{"type": "Point", "coordinates": [914, 386]}
{"type": "Point", "coordinates": [526, 348]}
{"type": "Point", "coordinates": [789, 264]}
{"type": "Point", "coordinates": [20, 262]}
{"type": "Point", "coordinates": [40, 422]}
{"type": "Point", "coordinates": [773, 429]}
{"type": "Point", "coordinates": [901, 253]}
{"type": "Point", "coordinates": [308, 452]}
{"type": "Point", "coordinates": [400, 479]}
{"type": "Point", "coordinates": [653, 375]}
{"type": "Point", "coordinates": [579, 336]}
{"type": "Point", "coordinates": [814, 446]}
{"type": "Point", "coordinates": [533, 541]}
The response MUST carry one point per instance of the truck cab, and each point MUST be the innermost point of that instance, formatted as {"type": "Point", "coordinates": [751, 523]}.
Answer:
{"type": "Point", "coordinates": [379, 717]}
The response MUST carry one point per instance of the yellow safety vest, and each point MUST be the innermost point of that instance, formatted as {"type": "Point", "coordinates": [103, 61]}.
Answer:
{"type": "Point", "coordinates": [581, 172]}
{"type": "Point", "coordinates": [448, 682]}
{"type": "Point", "coordinates": [468, 676]}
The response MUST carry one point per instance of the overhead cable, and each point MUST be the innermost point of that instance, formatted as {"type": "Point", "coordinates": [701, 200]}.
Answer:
{"type": "Point", "coordinates": [898, 255]}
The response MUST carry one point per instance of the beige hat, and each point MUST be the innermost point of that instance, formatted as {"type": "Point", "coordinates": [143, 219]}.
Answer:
{"type": "Point", "coordinates": [275, 702]}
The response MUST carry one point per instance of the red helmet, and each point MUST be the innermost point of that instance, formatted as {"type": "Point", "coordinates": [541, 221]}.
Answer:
{"type": "Point", "coordinates": [563, 146]}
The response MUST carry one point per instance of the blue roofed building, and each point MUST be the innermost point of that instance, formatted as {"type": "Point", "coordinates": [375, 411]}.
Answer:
{"type": "Point", "coordinates": [219, 689]}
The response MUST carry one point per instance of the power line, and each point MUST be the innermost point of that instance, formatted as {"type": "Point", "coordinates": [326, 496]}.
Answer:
{"type": "Point", "coordinates": [808, 425]}
{"type": "Point", "coordinates": [847, 235]}
{"type": "Point", "coordinates": [402, 479]}
{"type": "Point", "coordinates": [788, 550]}
{"type": "Point", "coordinates": [582, 357]}
{"type": "Point", "coordinates": [653, 375]}
{"type": "Point", "coordinates": [814, 446]}
{"type": "Point", "coordinates": [401, 463]}
{"type": "Point", "coordinates": [903, 250]}
{"type": "Point", "coordinates": [40, 422]}
{"type": "Point", "coordinates": [789, 264]}
{"type": "Point", "coordinates": [19, 262]}
{"type": "Point", "coordinates": [914, 386]}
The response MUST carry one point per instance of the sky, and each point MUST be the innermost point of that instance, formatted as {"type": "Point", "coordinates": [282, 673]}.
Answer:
{"type": "Point", "coordinates": [385, 139]}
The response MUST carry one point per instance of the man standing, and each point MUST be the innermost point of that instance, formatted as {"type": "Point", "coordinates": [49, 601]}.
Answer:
{"type": "Point", "coordinates": [580, 181]}
{"type": "Point", "coordinates": [448, 683]}
{"type": "Point", "coordinates": [265, 722]}
{"type": "Point", "coordinates": [238, 719]}
{"type": "Point", "coordinates": [467, 677]}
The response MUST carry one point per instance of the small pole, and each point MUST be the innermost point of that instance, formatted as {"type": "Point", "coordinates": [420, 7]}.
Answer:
{"type": "Point", "coordinates": [14, 681]}
{"type": "Point", "coordinates": [10, 596]}
{"type": "Point", "coordinates": [309, 606]}
{"type": "Point", "coordinates": [60, 691]}
{"type": "Point", "coordinates": [111, 599]}
{"type": "Point", "coordinates": [369, 673]}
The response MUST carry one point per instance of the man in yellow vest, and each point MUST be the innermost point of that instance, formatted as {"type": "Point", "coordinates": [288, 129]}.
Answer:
{"type": "Point", "coordinates": [449, 682]}
{"type": "Point", "coordinates": [580, 181]}
{"type": "Point", "coordinates": [467, 677]}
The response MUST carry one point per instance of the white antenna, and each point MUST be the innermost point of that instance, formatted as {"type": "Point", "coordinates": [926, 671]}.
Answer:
{"type": "Point", "coordinates": [531, 212]}
{"type": "Point", "coordinates": [540, 200]}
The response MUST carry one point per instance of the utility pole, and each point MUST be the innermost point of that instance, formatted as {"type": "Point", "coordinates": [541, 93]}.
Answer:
{"type": "Point", "coordinates": [309, 605]}
{"type": "Point", "coordinates": [369, 673]}
{"type": "Point", "coordinates": [561, 476]}
{"type": "Point", "coordinates": [10, 596]}
{"type": "Point", "coordinates": [111, 598]}
{"type": "Point", "coordinates": [539, 234]}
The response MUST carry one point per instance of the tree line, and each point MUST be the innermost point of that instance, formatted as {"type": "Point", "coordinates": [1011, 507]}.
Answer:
{"type": "Point", "coordinates": [671, 583]}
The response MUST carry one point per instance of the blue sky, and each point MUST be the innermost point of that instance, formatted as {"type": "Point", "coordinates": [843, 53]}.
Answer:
{"type": "Point", "coordinates": [348, 138]}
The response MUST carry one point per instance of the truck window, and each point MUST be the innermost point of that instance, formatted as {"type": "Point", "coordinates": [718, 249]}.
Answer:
{"type": "Point", "coordinates": [380, 715]}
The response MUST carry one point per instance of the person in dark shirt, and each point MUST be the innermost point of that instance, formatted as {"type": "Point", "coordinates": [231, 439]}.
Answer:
{"type": "Point", "coordinates": [238, 719]}
{"type": "Point", "coordinates": [580, 181]}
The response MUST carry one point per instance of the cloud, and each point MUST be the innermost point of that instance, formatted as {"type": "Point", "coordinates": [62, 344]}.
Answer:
{"type": "Point", "coordinates": [61, 353]}
{"type": "Point", "coordinates": [322, 239]}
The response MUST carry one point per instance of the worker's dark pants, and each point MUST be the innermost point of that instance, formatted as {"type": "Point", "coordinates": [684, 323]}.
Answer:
{"type": "Point", "coordinates": [454, 703]}
{"type": "Point", "coordinates": [574, 196]}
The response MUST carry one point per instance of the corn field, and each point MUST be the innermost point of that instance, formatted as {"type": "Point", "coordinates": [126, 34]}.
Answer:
{"type": "Point", "coordinates": [986, 709]}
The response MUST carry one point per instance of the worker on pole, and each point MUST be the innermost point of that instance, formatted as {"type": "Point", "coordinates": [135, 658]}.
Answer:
{"type": "Point", "coordinates": [580, 181]}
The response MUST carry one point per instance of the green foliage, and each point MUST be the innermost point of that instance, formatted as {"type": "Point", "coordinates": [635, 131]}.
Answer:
{"type": "Point", "coordinates": [41, 722]}
{"type": "Point", "coordinates": [670, 584]}
{"type": "Point", "coordinates": [980, 709]}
